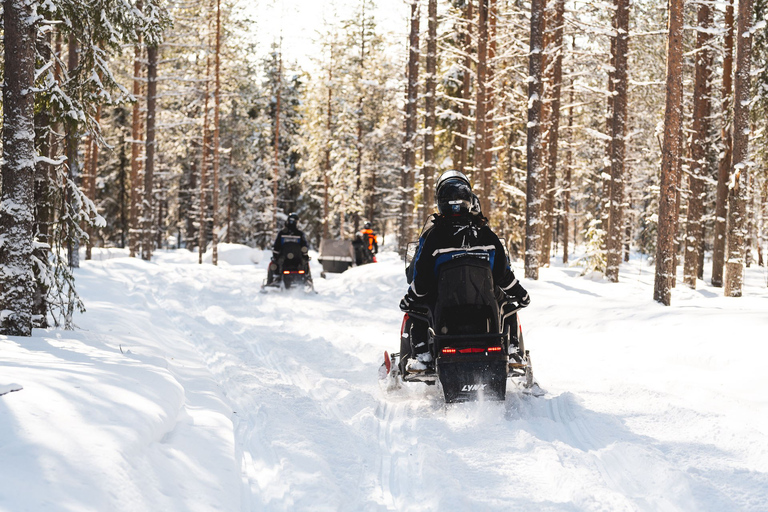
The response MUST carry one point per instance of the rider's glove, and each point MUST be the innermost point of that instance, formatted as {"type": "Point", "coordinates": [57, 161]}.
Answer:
{"type": "Point", "coordinates": [407, 301]}
{"type": "Point", "coordinates": [520, 295]}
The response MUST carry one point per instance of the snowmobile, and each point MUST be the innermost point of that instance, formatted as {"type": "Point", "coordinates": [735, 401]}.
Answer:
{"type": "Point", "coordinates": [474, 345]}
{"type": "Point", "coordinates": [290, 270]}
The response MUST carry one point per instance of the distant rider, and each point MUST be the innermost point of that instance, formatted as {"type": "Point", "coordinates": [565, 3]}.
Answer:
{"type": "Point", "coordinates": [370, 238]}
{"type": "Point", "coordinates": [289, 233]}
{"type": "Point", "coordinates": [459, 228]}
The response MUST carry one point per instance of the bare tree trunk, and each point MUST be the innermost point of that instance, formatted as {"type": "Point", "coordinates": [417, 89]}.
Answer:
{"type": "Point", "coordinates": [149, 166]}
{"type": "Point", "coordinates": [554, 127]}
{"type": "Point", "coordinates": [328, 142]}
{"type": "Point", "coordinates": [276, 164]}
{"type": "Point", "coordinates": [490, 95]}
{"type": "Point", "coordinates": [721, 203]}
{"type": "Point", "coordinates": [73, 165]}
{"type": "Point", "coordinates": [738, 193]}
{"type": "Point", "coordinates": [429, 119]}
{"type": "Point", "coordinates": [216, 104]}
{"type": "Point", "coordinates": [701, 126]}
{"type": "Point", "coordinates": [672, 146]}
{"type": "Point", "coordinates": [17, 281]}
{"type": "Point", "coordinates": [618, 143]}
{"type": "Point", "coordinates": [134, 229]}
{"type": "Point", "coordinates": [567, 181]}
{"type": "Point", "coordinates": [534, 152]}
{"type": "Point", "coordinates": [462, 139]}
{"type": "Point", "coordinates": [202, 228]}
{"type": "Point", "coordinates": [358, 204]}
{"type": "Point", "coordinates": [92, 172]}
{"type": "Point", "coordinates": [409, 154]}
{"type": "Point", "coordinates": [480, 109]}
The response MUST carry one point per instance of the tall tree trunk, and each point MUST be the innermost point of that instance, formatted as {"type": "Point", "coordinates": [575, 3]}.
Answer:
{"type": "Point", "coordinates": [17, 281]}
{"type": "Point", "coordinates": [739, 179]}
{"type": "Point", "coordinates": [409, 153]}
{"type": "Point", "coordinates": [73, 166]}
{"type": "Point", "coordinates": [724, 167]}
{"type": "Point", "coordinates": [534, 151]}
{"type": "Point", "coordinates": [202, 228]}
{"type": "Point", "coordinates": [136, 143]}
{"type": "Point", "coordinates": [276, 162]}
{"type": "Point", "coordinates": [490, 94]}
{"type": "Point", "coordinates": [328, 143]}
{"type": "Point", "coordinates": [429, 118]}
{"type": "Point", "coordinates": [672, 148]}
{"type": "Point", "coordinates": [149, 166]}
{"type": "Point", "coordinates": [462, 138]}
{"type": "Point", "coordinates": [481, 107]}
{"type": "Point", "coordinates": [359, 205]}
{"type": "Point", "coordinates": [701, 126]}
{"type": "Point", "coordinates": [618, 143]}
{"type": "Point", "coordinates": [567, 181]}
{"type": "Point", "coordinates": [216, 104]}
{"type": "Point", "coordinates": [554, 128]}
{"type": "Point", "coordinates": [90, 189]}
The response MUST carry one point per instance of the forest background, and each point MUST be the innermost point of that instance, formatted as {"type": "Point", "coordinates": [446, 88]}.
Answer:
{"type": "Point", "coordinates": [151, 124]}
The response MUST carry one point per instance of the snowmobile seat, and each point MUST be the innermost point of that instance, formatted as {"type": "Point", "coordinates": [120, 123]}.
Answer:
{"type": "Point", "coordinates": [465, 303]}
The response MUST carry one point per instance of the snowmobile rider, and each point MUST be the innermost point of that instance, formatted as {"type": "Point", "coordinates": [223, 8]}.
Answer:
{"type": "Point", "coordinates": [370, 237]}
{"type": "Point", "coordinates": [289, 233]}
{"type": "Point", "coordinates": [459, 228]}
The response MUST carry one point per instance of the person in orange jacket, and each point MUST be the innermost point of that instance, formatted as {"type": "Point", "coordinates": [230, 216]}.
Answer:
{"type": "Point", "coordinates": [370, 237]}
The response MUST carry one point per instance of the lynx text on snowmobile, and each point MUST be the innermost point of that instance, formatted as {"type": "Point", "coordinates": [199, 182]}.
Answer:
{"type": "Point", "coordinates": [471, 354]}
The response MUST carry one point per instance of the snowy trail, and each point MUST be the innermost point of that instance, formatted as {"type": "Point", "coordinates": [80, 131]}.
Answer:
{"type": "Point", "coordinates": [648, 408]}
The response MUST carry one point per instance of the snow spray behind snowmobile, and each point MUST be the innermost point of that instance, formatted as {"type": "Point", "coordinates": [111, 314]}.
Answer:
{"type": "Point", "coordinates": [474, 345]}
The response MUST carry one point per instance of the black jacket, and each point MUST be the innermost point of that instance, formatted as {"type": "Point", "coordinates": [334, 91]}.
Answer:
{"type": "Point", "coordinates": [447, 238]}
{"type": "Point", "coordinates": [288, 234]}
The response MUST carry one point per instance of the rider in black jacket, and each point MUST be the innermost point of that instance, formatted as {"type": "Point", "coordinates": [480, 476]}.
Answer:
{"type": "Point", "coordinates": [458, 230]}
{"type": "Point", "coordinates": [289, 233]}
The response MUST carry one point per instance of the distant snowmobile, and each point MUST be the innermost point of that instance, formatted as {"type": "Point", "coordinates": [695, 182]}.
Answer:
{"type": "Point", "coordinates": [472, 354]}
{"type": "Point", "coordinates": [291, 269]}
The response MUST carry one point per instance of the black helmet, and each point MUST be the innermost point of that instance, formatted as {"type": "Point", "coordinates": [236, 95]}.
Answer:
{"type": "Point", "coordinates": [454, 197]}
{"type": "Point", "coordinates": [292, 219]}
{"type": "Point", "coordinates": [367, 225]}
{"type": "Point", "coordinates": [450, 175]}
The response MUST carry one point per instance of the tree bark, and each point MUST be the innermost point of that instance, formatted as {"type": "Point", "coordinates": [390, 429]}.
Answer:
{"type": "Point", "coordinates": [216, 105]}
{"type": "Point", "coordinates": [672, 146]}
{"type": "Point", "coordinates": [481, 106]}
{"type": "Point", "coordinates": [149, 166]}
{"type": "Point", "coordinates": [567, 181]}
{"type": "Point", "coordinates": [721, 202]}
{"type": "Point", "coordinates": [17, 281]}
{"type": "Point", "coordinates": [202, 228]}
{"type": "Point", "coordinates": [462, 139]}
{"type": "Point", "coordinates": [409, 144]}
{"type": "Point", "coordinates": [739, 179]}
{"type": "Point", "coordinates": [618, 143]}
{"type": "Point", "coordinates": [554, 128]}
{"type": "Point", "coordinates": [73, 166]}
{"type": "Point", "coordinates": [701, 127]}
{"type": "Point", "coordinates": [429, 118]}
{"type": "Point", "coordinates": [534, 152]}
{"type": "Point", "coordinates": [136, 143]}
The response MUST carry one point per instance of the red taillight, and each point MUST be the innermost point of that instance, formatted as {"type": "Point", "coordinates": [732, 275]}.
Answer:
{"type": "Point", "coordinates": [402, 327]}
{"type": "Point", "coordinates": [286, 271]}
{"type": "Point", "coordinates": [471, 350]}
{"type": "Point", "coordinates": [449, 350]}
{"type": "Point", "coordinates": [301, 271]}
{"type": "Point", "coordinates": [494, 349]}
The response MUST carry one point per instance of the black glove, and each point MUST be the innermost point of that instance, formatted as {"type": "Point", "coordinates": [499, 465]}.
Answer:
{"type": "Point", "coordinates": [406, 303]}
{"type": "Point", "coordinates": [520, 295]}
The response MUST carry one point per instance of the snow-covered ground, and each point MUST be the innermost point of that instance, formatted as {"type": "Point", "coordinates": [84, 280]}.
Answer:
{"type": "Point", "coordinates": [185, 389]}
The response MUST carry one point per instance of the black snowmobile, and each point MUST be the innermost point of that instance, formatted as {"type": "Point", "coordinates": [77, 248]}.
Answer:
{"type": "Point", "coordinates": [291, 269]}
{"type": "Point", "coordinates": [472, 353]}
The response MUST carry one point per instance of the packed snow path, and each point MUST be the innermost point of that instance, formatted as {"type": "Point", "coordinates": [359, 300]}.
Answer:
{"type": "Point", "coordinates": [277, 404]}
